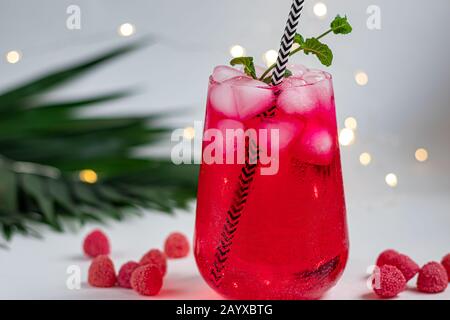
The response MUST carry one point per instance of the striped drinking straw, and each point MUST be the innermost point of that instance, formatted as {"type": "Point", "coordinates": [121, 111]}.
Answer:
{"type": "Point", "coordinates": [248, 171]}
{"type": "Point", "coordinates": [287, 41]}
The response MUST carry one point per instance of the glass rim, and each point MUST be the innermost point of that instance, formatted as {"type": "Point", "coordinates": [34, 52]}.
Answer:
{"type": "Point", "coordinates": [328, 77]}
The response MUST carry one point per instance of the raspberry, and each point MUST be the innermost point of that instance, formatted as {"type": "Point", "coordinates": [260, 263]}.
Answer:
{"type": "Point", "coordinates": [404, 263]}
{"type": "Point", "coordinates": [432, 278]}
{"type": "Point", "coordinates": [146, 280]}
{"type": "Point", "coordinates": [388, 281]}
{"type": "Point", "coordinates": [157, 258]}
{"type": "Point", "coordinates": [385, 257]}
{"type": "Point", "coordinates": [176, 246]}
{"type": "Point", "coordinates": [446, 263]}
{"type": "Point", "coordinates": [102, 273]}
{"type": "Point", "coordinates": [125, 273]}
{"type": "Point", "coordinates": [96, 243]}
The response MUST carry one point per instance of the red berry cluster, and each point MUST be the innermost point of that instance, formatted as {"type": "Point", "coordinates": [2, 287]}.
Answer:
{"type": "Point", "coordinates": [145, 276]}
{"type": "Point", "coordinates": [395, 269]}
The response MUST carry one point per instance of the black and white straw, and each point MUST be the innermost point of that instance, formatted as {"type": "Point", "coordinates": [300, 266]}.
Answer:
{"type": "Point", "coordinates": [287, 41]}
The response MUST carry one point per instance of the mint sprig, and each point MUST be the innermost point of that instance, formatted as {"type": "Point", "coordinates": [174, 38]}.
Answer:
{"type": "Point", "coordinates": [339, 25]}
{"type": "Point", "coordinates": [247, 62]}
{"type": "Point", "coordinates": [320, 50]}
{"type": "Point", "coordinates": [298, 38]}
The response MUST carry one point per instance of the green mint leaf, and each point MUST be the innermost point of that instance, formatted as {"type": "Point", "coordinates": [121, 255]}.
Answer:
{"type": "Point", "coordinates": [340, 25]}
{"type": "Point", "coordinates": [320, 50]}
{"type": "Point", "coordinates": [288, 73]}
{"type": "Point", "coordinates": [247, 62]}
{"type": "Point", "coordinates": [298, 38]}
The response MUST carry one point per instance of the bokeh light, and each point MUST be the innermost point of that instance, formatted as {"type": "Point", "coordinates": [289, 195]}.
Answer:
{"type": "Point", "coordinates": [361, 78]}
{"type": "Point", "coordinates": [295, 46]}
{"type": "Point", "coordinates": [320, 9]}
{"type": "Point", "coordinates": [189, 133]}
{"type": "Point", "coordinates": [351, 123]}
{"type": "Point", "coordinates": [346, 137]}
{"type": "Point", "coordinates": [270, 57]}
{"type": "Point", "coordinates": [391, 180]}
{"type": "Point", "coordinates": [13, 56]}
{"type": "Point", "coordinates": [421, 155]}
{"type": "Point", "coordinates": [237, 51]}
{"type": "Point", "coordinates": [88, 176]}
{"type": "Point", "coordinates": [126, 29]}
{"type": "Point", "coordinates": [365, 158]}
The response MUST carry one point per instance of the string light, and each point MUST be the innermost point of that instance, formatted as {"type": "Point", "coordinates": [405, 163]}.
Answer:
{"type": "Point", "coordinates": [88, 176]}
{"type": "Point", "coordinates": [126, 29]}
{"type": "Point", "coordinates": [391, 180]}
{"type": "Point", "coordinates": [189, 133]}
{"type": "Point", "coordinates": [421, 155]}
{"type": "Point", "coordinates": [346, 137]}
{"type": "Point", "coordinates": [270, 57]}
{"type": "Point", "coordinates": [13, 56]}
{"type": "Point", "coordinates": [320, 9]}
{"type": "Point", "coordinates": [237, 51]}
{"type": "Point", "coordinates": [365, 158]}
{"type": "Point", "coordinates": [361, 78]}
{"type": "Point", "coordinates": [351, 123]}
{"type": "Point", "coordinates": [295, 46]}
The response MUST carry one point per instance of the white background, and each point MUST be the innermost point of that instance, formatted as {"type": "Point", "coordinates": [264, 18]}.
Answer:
{"type": "Point", "coordinates": [404, 106]}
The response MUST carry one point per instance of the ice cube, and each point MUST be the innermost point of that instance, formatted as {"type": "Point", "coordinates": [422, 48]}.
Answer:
{"type": "Point", "coordinates": [221, 98]}
{"type": "Point", "coordinates": [314, 76]}
{"type": "Point", "coordinates": [301, 100]}
{"type": "Point", "coordinates": [252, 97]}
{"type": "Point", "coordinates": [223, 73]}
{"type": "Point", "coordinates": [232, 133]}
{"type": "Point", "coordinates": [297, 69]}
{"type": "Point", "coordinates": [325, 93]}
{"type": "Point", "coordinates": [222, 125]}
{"type": "Point", "coordinates": [292, 82]}
{"type": "Point", "coordinates": [312, 70]}
{"type": "Point", "coordinates": [288, 130]}
{"type": "Point", "coordinates": [316, 145]}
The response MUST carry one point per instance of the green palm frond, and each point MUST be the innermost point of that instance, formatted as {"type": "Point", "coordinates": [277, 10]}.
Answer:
{"type": "Point", "coordinates": [44, 146]}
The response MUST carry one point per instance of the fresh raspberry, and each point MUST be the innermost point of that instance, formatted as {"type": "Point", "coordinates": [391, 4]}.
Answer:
{"type": "Point", "coordinates": [157, 258]}
{"type": "Point", "coordinates": [125, 273]}
{"type": "Point", "coordinates": [147, 280]}
{"type": "Point", "coordinates": [96, 243]}
{"type": "Point", "coordinates": [388, 281]}
{"type": "Point", "coordinates": [432, 278]}
{"type": "Point", "coordinates": [404, 263]}
{"type": "Point", "coordinates": [385, 257]}
{"type": "Point", "coordinates": [102, 273]}
{"type": "Point", "coordinates": [446, 263]}
{"type": "Point", "coordinates": [176, 246]}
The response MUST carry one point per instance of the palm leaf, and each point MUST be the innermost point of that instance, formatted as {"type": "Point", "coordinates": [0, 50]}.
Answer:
{"type": "Point", "coordinates": [11, 98]}
{"type": "Point", "coordinates": [43, 146]}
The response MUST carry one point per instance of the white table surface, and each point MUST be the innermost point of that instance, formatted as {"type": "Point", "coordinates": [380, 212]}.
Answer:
{"type": "Point", "coordinates": [36, 269]}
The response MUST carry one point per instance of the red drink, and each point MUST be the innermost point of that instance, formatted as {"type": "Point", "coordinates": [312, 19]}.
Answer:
{"type": "Point", "coordinates": [281, 235]}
